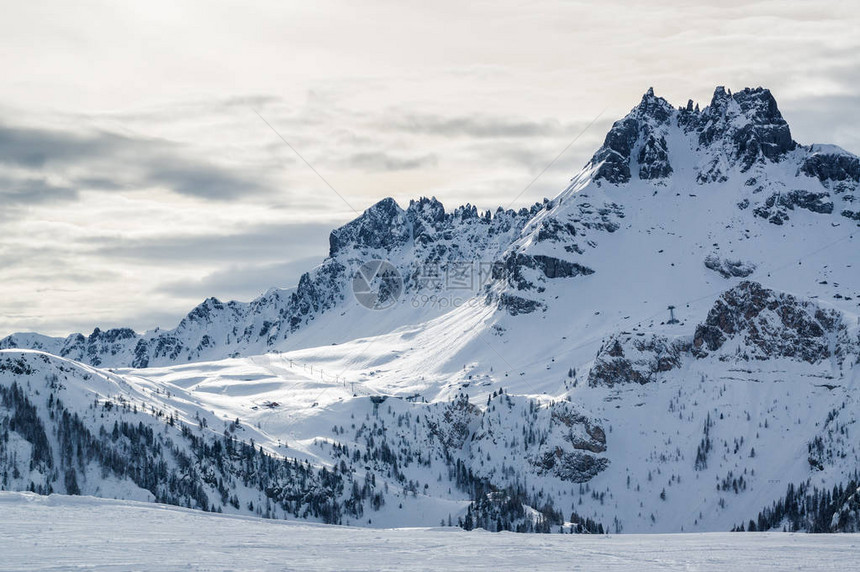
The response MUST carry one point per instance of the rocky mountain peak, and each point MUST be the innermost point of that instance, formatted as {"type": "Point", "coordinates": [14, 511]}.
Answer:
{"type": "Point", "coordinates": [653, 107]}
{"type": "Point", "coordinates": [833, 166]}
{"type": "Point", "coordinates": [746, 127]}
{"type": "Point", "coordinates": [428, 209]}
{"type": "Point", "coordinates": [637, 138]}
{"type": "Point", "coordinates": [756, 104]}
{"type": "Point", "coordinates": [721, 95]}
{"type": "Point", "coordinates": [748, 322]}
{"type": "Point", "coordinates": [736, 129]}
{"type": "Point", "coordinates": [381, 226]}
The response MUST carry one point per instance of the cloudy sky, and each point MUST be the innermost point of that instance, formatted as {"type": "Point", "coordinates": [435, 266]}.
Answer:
{"type": "Point", "coordinates": [136, 176]}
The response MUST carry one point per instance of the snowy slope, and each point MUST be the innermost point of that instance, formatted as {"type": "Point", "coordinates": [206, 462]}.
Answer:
{"type": "Point", "coordinates": [554, 379]}
{"type": "Point", "coordinates": [670, 190]}
{"type": "Point", "coordinates": [651, 398]}
{"type": "Point", "coordinates": [41, 533]}
{"type": "Point", "coordinates": [70, 428]}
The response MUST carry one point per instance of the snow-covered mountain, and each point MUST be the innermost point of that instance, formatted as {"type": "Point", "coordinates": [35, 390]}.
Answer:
{"type": "Point", "coordinates": [530, 370]}
{"type": "Point", "coordinates": [736, 157]}
{"type": "Point", "coordinates": [423, 233]}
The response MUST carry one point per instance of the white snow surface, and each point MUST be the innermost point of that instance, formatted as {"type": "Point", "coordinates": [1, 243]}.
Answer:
{"type": "Point", "coordinates": [86, 533]}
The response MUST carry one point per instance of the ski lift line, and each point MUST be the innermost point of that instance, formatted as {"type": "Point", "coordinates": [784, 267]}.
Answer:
{"type": "Point", "coordinates": [690, 301]}
{"type": "Point", "coordinates": [358, 353]}
{"type": "Point", "coordinates": [816, 251]}
{"type": "Point", "coordinates": [557, 157]}
{"type": "Point", "coordinates": [297, 383]}
{"type": "Point", "coordinates": [574, 348]}
{"type": "Point", "coordinates": [299, 155]}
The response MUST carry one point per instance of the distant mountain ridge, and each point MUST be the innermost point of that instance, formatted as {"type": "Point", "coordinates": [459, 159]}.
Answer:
{"type": "Point", "coordinates": [216, 329]}
{"type": "Point", "coordinates": [736, 136]}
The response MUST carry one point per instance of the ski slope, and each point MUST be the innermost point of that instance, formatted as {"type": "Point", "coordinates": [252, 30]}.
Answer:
{"type": "Point", "coordinates": [763, 415]}
{"type": "Point", "coordinates": [58, 532]}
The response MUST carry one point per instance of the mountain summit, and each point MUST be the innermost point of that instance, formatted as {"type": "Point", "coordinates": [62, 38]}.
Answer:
{"type": "Point", "coordinates": [735, 130]}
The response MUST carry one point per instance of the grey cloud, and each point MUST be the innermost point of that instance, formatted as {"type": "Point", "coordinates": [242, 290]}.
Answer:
{"type": "Point", "coordinates": [76, 276]}
{"type": "Point", "coordinates": [34, 148]}
{"type": "Point", "coordinates": [99, 183]}
{"type": "Point", "coordinates": [201, 180]}
{"type": "Point", "coordinates": [381, 161]}
{"type": "Point", "coordinates": [32, 190]}
{"type": "Point", "coordinates": [248, 262]}
{"type": "Point", "coordinates": [47, 264]}
{"type": "Point", "coordinates": [822, 119]}
{"type": "Point", "coordinates": [251, 100]}
{"type": "Point", "coordinates": [192, 108]}
{"type": "Point", "coordinates": [243, 281]}
{"type": "Point", "coordinates": [481, 127]}
{"type": "Point", "coordinates": [114, 162]}
{"type": "Point", "coordinates": [271, 242]}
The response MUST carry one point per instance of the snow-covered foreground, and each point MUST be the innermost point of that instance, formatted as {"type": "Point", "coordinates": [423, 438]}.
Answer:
{"type": "Point", "coordinates": [60, 532]}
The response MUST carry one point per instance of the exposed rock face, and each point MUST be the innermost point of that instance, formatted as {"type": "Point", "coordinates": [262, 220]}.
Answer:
{"type": "Point", "coordinates": [573, 466]}
{"type": "Point", "coordinates": [654, 158]}
{"type": "Point", "coordinates": [516, 264]}
{"type": "Point", "coordinates": [556, 231]}
{"type": "Point", "coordinates": [752, 322]}
{"type": "Point", "coordinates": [523, 273]}
{"type": "Point", "coordinates": [587, 439]}
{"type": "Point", "coordinates": [616, 151]}
{"type": "Point", "coordinates": [813, 202]}
{"type": "Point", "coordinates": [549, 250]}
{"type": "Point", "coordinates": [387, 228]}
{"type": "Point", "coordinates": [829, 163]}
{"type": "Point", "coordinates": [747, 322]}
{"type": "Point", "coordinates": [847, 518]}
{"type": "Point", "coordinates": [100, 343]}
{"type": "Point", "coordinates": [382, 226]}
{"type": "Point", "coordinates": [516, 305]}
{"type": "Point", "coordinates": [747, 127]}
{"type": "Point", "coordinates": [629, 358]}
{"type": "Point", "coordinates": [582, 433]}
{"type": "Point", "coordinates": [456, 426]}
{"type": "Point", "coordinates": [640, 135]}
{"type": "Point", "coordinates": [739, 129]}
{"type": "Point", "coordinates": [728, 268]}
{"type": "Point", "coordinates": [775, 208]}
{"type": "Point", "coordinates": [604, 218]}
{"type": "Point", "coordinates": [557, 439]}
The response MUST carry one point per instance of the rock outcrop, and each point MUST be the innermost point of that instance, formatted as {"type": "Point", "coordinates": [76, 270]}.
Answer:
{"type": "Point", "coordinates": [750, 322]}
{"type": "Point", "coordinates": [635, 358]}
{"type": "Point", "coordinates": [728, 268]}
